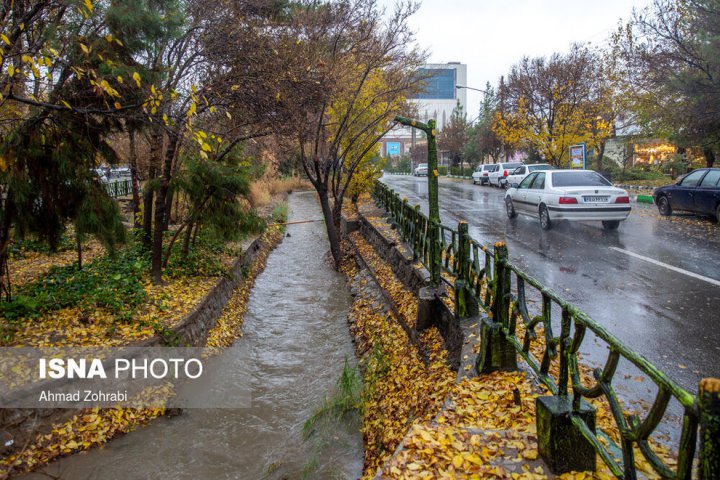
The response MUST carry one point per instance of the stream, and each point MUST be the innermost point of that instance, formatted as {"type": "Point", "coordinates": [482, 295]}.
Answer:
{"type": "Point", "coordinates": [295, 334]}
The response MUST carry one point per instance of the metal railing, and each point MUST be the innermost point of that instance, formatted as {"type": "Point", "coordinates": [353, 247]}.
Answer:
{"type": "Point", "coordinates": [500, 288]}
{"type": "Point", "coordinates": [119, 189]}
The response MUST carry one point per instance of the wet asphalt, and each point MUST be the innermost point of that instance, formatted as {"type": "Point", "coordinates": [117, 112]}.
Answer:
{"type": "Point", "coordinates": [670, 317]}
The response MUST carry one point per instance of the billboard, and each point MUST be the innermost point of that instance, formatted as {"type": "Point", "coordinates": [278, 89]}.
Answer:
{"type": "Point", "coordinates": [440, 85]}
{"type": "Point", "coordinates": [392, 149]}
{"type": "Point", "coordinates": [578, 158]}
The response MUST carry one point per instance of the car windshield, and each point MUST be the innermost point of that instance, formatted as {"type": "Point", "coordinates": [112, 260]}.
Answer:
{"type": "Point", "coordinates": [579, 179]}
{"type": "Point", "coordinates": [422, 165]}
{"type": "Point", "coordinates": [511, 166]}
{"type": "Point", "coordinates": [532, 168]}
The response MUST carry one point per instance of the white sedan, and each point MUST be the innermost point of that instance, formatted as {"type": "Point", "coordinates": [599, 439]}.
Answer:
{"type": "Point", "coordinates": [553, 195]}
{"type": "Point", "coordinates": [481, 175]}
{"type": "Point", "coordinates": [517, 175]}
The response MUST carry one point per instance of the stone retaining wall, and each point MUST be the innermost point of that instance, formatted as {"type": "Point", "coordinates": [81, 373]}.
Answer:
{"type": "Point", "coordinates": [400, 259]}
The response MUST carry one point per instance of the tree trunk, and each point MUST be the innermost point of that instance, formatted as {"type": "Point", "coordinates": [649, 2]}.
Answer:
{"type": "Point", "coordinates": [173, 150]}
{"type": "Point", "coordinates": [156, 143]}
{"type": "Point", "coordinates": [134, 178]}
{"type": "Point", "coordinates": [709, 157]}
{"type": "Point", "coordinates": [147, 215]}
{"type": "Point", "coordinates": [330, 225]}
{"type": "Point", "coordinates": [600, 153]}
{"type": "Point", "coordinates": [78, 247]}
{"type": "Point", "coordinates": [195, 233]}
{"type": "Point", "coordinates": [7, 217]}
{"type": "Point", "coordinates": [186, 240]}
{"type": "Point", "coordinates": [161, 212]}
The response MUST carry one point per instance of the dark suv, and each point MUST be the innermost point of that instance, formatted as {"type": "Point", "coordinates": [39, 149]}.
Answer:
{"type": "Point", "coordinates": [698, 192]}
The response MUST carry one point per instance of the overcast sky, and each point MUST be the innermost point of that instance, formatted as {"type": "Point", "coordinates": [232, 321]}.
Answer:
{"type": "Point", "coordinates": [492, 35]}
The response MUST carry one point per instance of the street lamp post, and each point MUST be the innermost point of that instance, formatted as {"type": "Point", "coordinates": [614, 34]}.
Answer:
{"type": "Point", "coordinates": [433, 206]}
{"type": "Point", "coordinates": [470, 88]}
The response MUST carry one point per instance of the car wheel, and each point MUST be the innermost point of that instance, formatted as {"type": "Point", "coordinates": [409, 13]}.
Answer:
{"type": "Point", "coordinates": [506, 185]}
{"type": "Point", "coordinates": [474, 182]}
{"type": "Point", "coordinates": [663, 205]}
{"type": "Point", "coordinates": [545, 222]}
{"type": "Point", "coordinates": [510, 208]}
{"type": "Point", "coordinates": [611, 224]}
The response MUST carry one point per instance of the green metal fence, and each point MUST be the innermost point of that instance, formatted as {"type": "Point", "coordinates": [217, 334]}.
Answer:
{"type": "Point", "coordinates": [486, 276]}
{"type": "Point", "coordinates": [119, 189]}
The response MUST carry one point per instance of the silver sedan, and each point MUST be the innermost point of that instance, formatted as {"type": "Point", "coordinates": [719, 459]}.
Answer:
{"type": "Point", "coordinates": [554, 195]}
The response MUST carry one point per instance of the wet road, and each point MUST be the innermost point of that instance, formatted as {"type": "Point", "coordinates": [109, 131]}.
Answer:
{"type": "Point", "coordinates": [297, 340]}
{"type": "Point", "coordinates": [618, 278]}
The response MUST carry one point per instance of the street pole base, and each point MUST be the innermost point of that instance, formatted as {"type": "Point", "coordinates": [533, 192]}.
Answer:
{"type": "Point", "coordinates": [560, 443]}
{"type": "Point", "coordinates": [429, 305]}
{"type": "Point", "coordinates": [496, 353]}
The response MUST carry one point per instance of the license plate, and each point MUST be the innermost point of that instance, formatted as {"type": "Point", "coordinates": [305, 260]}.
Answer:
{"type": "Point", "coordinates": [595, 199]}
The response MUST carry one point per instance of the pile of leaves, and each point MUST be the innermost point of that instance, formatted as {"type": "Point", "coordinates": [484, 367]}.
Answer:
{"type": "Point", "coordinates": [90, 428]}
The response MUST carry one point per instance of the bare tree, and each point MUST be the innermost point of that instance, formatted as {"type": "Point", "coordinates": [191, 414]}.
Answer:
{"type": "Point", "coordinates": [365, 67]}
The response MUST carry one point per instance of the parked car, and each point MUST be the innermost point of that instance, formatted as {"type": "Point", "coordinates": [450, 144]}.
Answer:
{"type": "Point", "coordinates": [698, 192]}
{"type": "Point", "coordinates": [498, 177]}
{"type": "Point", "coordinates": [421, 170]}
{"type": "Point", "coordinates": [482, 174]}
{"type": "Point", "coordinates": [553, 195]}
{"type": "Point", "coordinates": [101, 174]}
{"type": "Point", "coordinates": [119, 172]}
{"type": "Point", "coordinates": [517, 175]}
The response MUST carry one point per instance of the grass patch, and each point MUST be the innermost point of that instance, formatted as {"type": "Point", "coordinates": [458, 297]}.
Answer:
{"type": "Point", "coordinates": [259, 195]}
{"type": "Point", "coordinates": [288, 184]}
{"type": "Point", "coordinates": [280, 213]}
{"type": "Point", "coordinates": [346, 398]}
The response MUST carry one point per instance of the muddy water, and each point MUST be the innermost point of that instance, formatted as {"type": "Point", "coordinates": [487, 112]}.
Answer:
{"type": "Point", "coordinates": [297, 340]}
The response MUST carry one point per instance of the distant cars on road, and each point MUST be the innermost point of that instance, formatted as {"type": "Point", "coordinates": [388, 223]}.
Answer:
{"type": "Point", "coordinates": [553, 195]}
{"type": "Point", "coordinates": [498, 177]}
{"type": "Point", "coordinates": [482, 174]}
{"type": "Point", "coordinates": [421, 170]}
{"type": "Point", "coordinates": [697, 192]}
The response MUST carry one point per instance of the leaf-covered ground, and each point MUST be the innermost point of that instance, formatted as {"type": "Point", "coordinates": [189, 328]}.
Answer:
{"type": "Point", "coordinates": [26, 265]}
{"type": "Point", "coordinates": [112, 301]}
{"type": "Point", "coordinates": [400, 389]}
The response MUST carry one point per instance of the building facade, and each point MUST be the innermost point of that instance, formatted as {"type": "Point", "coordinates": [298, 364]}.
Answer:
{"type": "Point", "coordinates": [437, 101]}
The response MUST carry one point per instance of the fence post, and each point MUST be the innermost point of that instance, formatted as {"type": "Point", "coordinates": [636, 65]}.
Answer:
{"type": "Point", "coordinates": [417, 238]}
{"type": "Point", "coordinates": [496, 352]}
{"type": "Point", "coordinates": [405, 218]}
{"type": "Point", "coordinates": [393, 202]}
{"type": "Point", "coordinates": [465, 305]}
{"type": "Point", "coordinates": [435, 256]}
{"type": "Point", "coordinates": [709, 408]}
